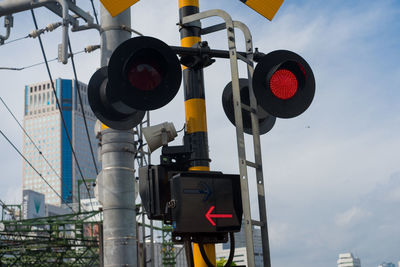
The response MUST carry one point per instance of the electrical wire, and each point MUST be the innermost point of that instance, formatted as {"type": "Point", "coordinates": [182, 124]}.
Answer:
{"type": "Point", "coordinates": [231, 252]}
{"type": "Point", "coordinates": [81, 104]}
{"type": "Point", "coordinates": [37, 64]}
{"type": "Point", "coordinates": [37, 148]}
{"type": "Point", "coordinates": [30, 164]}
{"type": "Point", "coordinates": [60, 108]}
{"type": "Point", "coordinates": [94, 12]}
{"type": "Point", "coordinates": [183, 128]}
{"type": "Point", "coordinates": [34, 34]}
{"type": "Point", "coordinates": [15, 40]}
{"type": "Point", "coordinates": [189, 253]}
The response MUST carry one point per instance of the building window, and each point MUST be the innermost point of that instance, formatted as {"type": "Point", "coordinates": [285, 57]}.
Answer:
{"type": "Point", "coordinates": [40, 87]}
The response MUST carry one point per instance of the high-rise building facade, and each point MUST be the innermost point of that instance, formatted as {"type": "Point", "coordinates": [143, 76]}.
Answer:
{"type": "Point", "coordinates": [240, 258]}
{"type": "Point", "coordinates": [348, 260]}
{"type": "Point", "coordinates": [42, 121]}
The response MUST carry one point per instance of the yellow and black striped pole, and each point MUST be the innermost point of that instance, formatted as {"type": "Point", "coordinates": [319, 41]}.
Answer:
{"type": "Point", "coordinates": [195, 110]}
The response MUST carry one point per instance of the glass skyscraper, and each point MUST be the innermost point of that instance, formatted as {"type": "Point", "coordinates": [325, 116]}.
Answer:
{"type": "Point", "coordinates": [42, 121]}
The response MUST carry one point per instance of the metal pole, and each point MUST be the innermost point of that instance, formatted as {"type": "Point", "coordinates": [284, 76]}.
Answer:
{"type": "Point", "coordinates": [195, 110]}
{"type": "Point", "coordinates": [144, 253]}
{"type": "Point", "coordinates": [117, 156]}
{"type": "Point", "coordinates": [101, 249]}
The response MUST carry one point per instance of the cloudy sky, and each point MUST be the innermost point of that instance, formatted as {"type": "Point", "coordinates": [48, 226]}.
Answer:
{"type": "Point", "coordinates": [332, 174]}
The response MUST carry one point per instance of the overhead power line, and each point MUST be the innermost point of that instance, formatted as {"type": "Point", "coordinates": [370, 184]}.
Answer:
{"type": "Point", "coordinates": [51, 27]}
{"type": "Point", "coordinates": [15, 40]}
{"type": "Point", "coordinates": [94, 12]}
{"type": "Point", "coordinates": [30, 164]}
{"type": "Point", "coordinates": [37, 64]}
{"type": "Point", "coordinates": [37, 148]}
{"type": "Point", "coordinates": [78, 88]}
{"type": "Point", "coordinates": [60, 109]}
{"type": "Point", "coordinates": [88, 49]}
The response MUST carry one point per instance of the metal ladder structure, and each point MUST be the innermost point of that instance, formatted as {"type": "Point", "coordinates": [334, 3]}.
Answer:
{"type": "Point", "coordinates": [248, 223]}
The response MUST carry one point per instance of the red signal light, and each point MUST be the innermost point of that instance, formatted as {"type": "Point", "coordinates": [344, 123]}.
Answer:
{"type": "Point", "coordinates": [283, 84]}
{"type": "Point", "coordinates": [145, 75]}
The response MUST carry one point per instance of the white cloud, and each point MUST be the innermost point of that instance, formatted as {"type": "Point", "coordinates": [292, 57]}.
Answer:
{"type": "Point", "coordinates": [394, 195]}
{"type": "Point", "coordinates": [352, 216]}
{"type": "Point", "coordinates": [280, 234]}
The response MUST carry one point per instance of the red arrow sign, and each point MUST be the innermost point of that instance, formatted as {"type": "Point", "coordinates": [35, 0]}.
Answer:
{"type": "Point", "coordinates": [209, 216]}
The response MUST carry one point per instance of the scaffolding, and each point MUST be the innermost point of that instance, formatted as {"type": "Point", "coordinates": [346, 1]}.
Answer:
{"type": "Point", "coordinates": [62, 240]}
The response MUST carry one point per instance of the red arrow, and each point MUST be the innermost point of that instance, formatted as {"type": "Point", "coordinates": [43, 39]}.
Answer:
{"type": "Point", "coordinates": [209, 216]}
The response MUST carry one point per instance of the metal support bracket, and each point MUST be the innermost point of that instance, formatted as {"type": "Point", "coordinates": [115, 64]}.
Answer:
{"type": "Point", "coordinates": [60, 8]}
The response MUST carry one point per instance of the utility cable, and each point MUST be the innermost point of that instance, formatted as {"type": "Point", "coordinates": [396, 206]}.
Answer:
{"type": "Point", "coordinates": [231, 252]}
{"type": "Point", "coordinates": [15, 40]}
{"type": "Point", "coordinates": [94, 12]}
{"type": "Point", "coordinates": [30, 164]}
{"type": "Point", "coordinates": [189, 253]}
{"type": "Point", "coordinates": [37, 148]}
{"type": "Point", "coordinates": [51, 27]}
{"type": "Point", "coordinates": [78, 88]}
{"type": "Point", "coordinates": [183, 128]}
{"type": "Point", "coordinates": [37, 64]}
{"type": "Point", "coordinates": [60, 107]}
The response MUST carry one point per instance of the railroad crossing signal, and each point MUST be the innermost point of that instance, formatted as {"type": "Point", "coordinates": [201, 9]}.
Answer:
{"type": "Point", "coordinates": [266, 8]}
{"type": "Point", "coordinates": [284, 84]}
{"type": "Point", "coordinates": [117, 7]}
{"type": "Point", "coordinates": [107, 108]}
{"type": "Point", "coordinates": [194, 202]}
{"type": "Point", "coordinates": [205, 202]}
{"type": "Point", "coordinates": [266, 122]}
{"type": "Point", "coordinates": [143, 74]}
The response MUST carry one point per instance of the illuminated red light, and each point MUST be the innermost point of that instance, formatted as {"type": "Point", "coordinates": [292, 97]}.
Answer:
{"type": "Point", "coordinates": [283, 84]}
{"type": "Point", "coordinates": [209, 216]}
{"type": "Point", "coordinates": [144, 75]}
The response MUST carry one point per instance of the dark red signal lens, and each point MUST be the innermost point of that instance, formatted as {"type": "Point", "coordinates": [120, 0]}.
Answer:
{"type": "Point", "coordinates": [146, 75]}
{"type": "Point", "coordinates": [283, 84]}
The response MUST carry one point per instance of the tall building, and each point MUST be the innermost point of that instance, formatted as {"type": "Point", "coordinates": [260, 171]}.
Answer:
{"type": "Point", "coordinates": [42, 121]}
{"type": "Point", "coordinates": [240, 256]}
{"type": "Point", "coordinates": [348, 260]}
